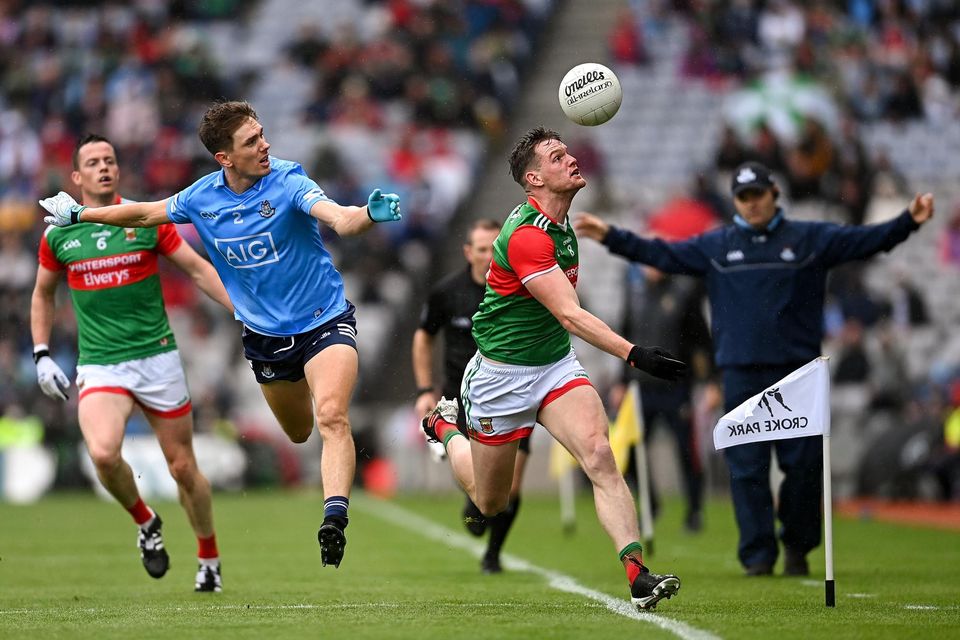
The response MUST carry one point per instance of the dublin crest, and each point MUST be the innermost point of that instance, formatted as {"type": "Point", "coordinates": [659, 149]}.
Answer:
{"type": "Point", "coordinates": [266, 210]}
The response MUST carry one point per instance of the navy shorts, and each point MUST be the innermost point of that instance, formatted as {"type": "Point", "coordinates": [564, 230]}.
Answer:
{"type": "Point", "coordinates": [283, 358]}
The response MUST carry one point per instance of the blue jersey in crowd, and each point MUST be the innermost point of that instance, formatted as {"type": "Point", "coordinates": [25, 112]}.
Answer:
{"type": "Point", "coordinates": [266, 248]}
{"type": "Point", "coordinates": [766, 288]}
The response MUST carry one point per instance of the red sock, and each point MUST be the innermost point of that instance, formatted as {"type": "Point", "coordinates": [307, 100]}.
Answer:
{"type": "Point", "coordinates": [207, 547]}
{"type": "Point", "coordinates": [633, 565]}
{"type": "Point", "coordinates": [442, 428]}
{"type": "Point", "coordinates": [141, 513]}
{"type": "Point", "coordinates": [632, 558]}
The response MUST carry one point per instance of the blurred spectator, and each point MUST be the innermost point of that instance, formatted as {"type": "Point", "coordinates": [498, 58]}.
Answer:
{"type": "Point", "coordinates": [17, 265]}
{"type": "Point", "coordinates": [908, 308]}
{"type": "Point", "coordinates": [853, 365]}
{"type": "Point", "coordinates": [626, 40]}
{"type": "Point", "coordinates": [888, 370]}
{"type": "Point", "coordinates": [667, 311]}
{"type": "Point", "coordinates": [731, 153]}
{"type": "Point", "coordinates": [950, 239]}
{"type": "Point", "coordinates": [848, 181]}
{"type": "Point", "coordinates": [809, 160]}
{"type": "Point", "coordinates": [903, 102]}
{"type": "Point", "coordinates": [592, 164]}
{"type": "Point", "coordinates": [845, 286]}
{"type": "Point", "coordinates": [945, 458]}
{"type": "Point", "coordinates": [767, 150]}
{"type": "Point", "coordinates": [868, 103]}
{"type": "Point", "coordinates": [780, 29]}
{"type": "Point", "coordinates": [700, 60]}
{"type": "Point", "coordinates": [889, 189]}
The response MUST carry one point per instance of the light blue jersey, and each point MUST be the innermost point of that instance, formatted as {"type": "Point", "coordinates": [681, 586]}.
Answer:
{"type": "Point", "coordinates": [266, 247]}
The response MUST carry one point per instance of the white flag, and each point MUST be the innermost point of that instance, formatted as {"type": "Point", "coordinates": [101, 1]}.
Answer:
{"type": "Point", "coordinates": [797, 406]}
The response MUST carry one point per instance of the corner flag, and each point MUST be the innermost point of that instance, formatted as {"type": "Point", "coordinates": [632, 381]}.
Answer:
{"type": "Point", "coordinates": [562, 465]}
{"type": "Point", "coordinates": [625, 430]}
{"type": "Point", "coordinates": [794, 407]}
{"type": "Point", "coordinates": [561, 462]}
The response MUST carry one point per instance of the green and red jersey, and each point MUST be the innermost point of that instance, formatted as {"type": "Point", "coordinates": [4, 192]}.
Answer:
{"type": "Point", "coordinates": [511, 326]}
{"type": "Point", "coordinates": [112, 275]}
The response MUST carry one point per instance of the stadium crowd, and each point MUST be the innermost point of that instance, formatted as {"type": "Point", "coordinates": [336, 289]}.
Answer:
{"type": "Point", "coordinates": [408, 96]}
{"type": "Point", "coordinates": [857, 65]}
{"type": "Point", "coordinates": [405, 97]}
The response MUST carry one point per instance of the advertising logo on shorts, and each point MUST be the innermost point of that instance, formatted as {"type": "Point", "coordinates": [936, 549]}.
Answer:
{"type": "Point", "coordinates": [248, 252]}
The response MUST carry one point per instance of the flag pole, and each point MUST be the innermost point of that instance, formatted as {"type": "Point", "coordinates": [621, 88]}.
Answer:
{"type": "Point", "coordinates": [643, 479]}
{"type": "Point", "coordinates": [829, 585]}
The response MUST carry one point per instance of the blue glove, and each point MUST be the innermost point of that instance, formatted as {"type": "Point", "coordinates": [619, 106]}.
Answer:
{"type": "Point", "coordinates": [63, 210]}
{"type": "Point", "coordinates": [383, 207]}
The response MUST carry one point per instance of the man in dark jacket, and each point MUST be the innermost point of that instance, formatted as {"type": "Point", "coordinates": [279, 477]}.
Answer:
{"type": "Point", "coordinates": [667, 311]}
{"type": "Point", "coordinates": [765, 277]}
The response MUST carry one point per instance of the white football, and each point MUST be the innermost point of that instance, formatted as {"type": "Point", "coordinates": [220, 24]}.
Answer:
{"type": "Point", "coordinates": [590, 94]}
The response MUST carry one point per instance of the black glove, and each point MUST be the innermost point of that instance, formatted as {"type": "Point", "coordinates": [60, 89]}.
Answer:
{"type": "Point", "coordinates": [657, 362]}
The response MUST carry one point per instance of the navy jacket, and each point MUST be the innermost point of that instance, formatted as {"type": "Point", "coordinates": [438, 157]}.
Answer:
{"type": "Point", "coordinates": [766, 288]}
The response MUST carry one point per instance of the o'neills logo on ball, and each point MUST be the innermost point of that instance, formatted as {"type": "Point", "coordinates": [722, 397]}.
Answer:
{"type": "Point", "coordinates": [582, 81]}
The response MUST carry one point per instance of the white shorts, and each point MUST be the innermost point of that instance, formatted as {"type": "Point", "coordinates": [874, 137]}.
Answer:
{"type": "Point", "coordinates": [157, 383]}
{"type": "Point", "coordinates": [501, 401]}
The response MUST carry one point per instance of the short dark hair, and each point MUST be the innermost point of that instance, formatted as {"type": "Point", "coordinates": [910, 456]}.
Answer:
{"type": "Point", "coordinates": [487, 224]}
{"type": "Point", "coordinates": [86, 139]}
{"type": "Point", "coordinates": [524, 151]}
{"type": "Point", "coordinates": [221, 121]}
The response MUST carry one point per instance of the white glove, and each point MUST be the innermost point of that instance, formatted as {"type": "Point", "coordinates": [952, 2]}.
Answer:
{"type": "Point", "coordinates": [63, 208]}
{"type": "Point", "coordinates": [53, 381]}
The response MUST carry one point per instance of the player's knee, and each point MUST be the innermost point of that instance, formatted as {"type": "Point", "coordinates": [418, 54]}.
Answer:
{"type": "Point", "coordinates": [299, 437]}
{"type": "Point", "coordinates": [332, 420]}
{"type": "Point", "coordinates": [105, 459]}
{"type": "Point", "coordinates": [492, 505]}
{"type": "Point", "coordinates": [183, 470]}
{"type": "Point", "coordinates": [598, 460]}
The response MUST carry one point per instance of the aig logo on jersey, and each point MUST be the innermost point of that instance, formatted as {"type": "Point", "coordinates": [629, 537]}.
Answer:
{"type": "Point", "coordinates": [248, 252]}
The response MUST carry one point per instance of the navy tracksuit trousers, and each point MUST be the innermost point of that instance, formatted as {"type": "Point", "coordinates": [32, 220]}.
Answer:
{"type": "Point", "coordinates": [800, 459]}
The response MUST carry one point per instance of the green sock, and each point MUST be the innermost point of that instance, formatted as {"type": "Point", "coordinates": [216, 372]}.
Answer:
{"type": "Point", "coordinates": [630, 548]}
{"type": "Point", "coordinates": [450, 435]}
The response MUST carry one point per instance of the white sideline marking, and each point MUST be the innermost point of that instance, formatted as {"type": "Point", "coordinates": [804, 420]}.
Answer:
{"type": "Point", "coordinates": [861, 595]}
{"type": "Point", "coordinates": [280, 607]}
{"type": "Point", "coordinates": [429, 529]}
{"type": "Point", "coordinates": [922, 607]}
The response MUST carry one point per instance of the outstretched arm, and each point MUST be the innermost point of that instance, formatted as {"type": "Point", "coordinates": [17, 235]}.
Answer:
{"type": "Point", "coordinates": [670, 257]}
{"type": "Point", "coordinates": [843, 243]}
{"type": "Point", "coordinates": [64, 211]}
{"type": "Point", "coordinates": [554, 291]}
{"type": "Point", "coordinates": [349, 221]}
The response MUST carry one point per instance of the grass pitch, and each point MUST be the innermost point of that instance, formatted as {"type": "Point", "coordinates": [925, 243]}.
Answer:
{"type": "Point", "coordinates": [69, 568]}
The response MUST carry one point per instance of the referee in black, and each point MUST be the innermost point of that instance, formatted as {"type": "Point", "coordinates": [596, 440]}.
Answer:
{"type": "Point", "coordinates": [450, 308]}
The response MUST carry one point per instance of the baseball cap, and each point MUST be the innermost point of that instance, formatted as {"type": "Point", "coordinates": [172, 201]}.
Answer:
{"type": "Point", "coordinates": [751, 175]}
